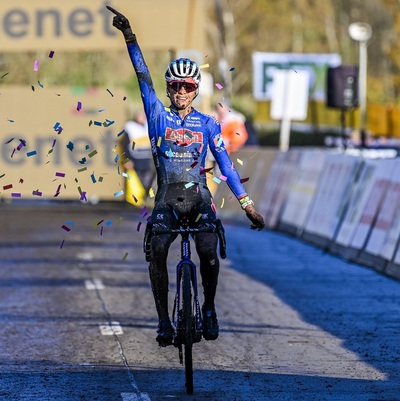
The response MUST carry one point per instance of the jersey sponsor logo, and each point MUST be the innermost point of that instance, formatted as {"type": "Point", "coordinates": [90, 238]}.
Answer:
{"type": "Point", "coordinates": [183, 137]}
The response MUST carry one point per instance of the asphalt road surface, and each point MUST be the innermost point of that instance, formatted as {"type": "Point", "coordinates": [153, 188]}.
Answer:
{"type": "Point", "coordinates": [77, 317]}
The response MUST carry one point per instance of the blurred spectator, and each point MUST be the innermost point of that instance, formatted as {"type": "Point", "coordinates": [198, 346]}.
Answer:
{"type": "Point", "coordinates": [234, 132]}
{"type": "Point", "coordinates": [137, 148]}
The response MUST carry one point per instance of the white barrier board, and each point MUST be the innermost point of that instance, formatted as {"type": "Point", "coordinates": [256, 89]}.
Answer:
{"type": "Point", "coordinates": [333, 191]}
{"type": "Point", "coordinates": [278, 186]}
{"type": "Point", "coordinates": [386, 231]}
{"type": "Point", "coordinates": [373, 203]}
{"type": "Point", "coordinates": [357, 201]}
{"type": "Point", "coordinates": [304, 186]}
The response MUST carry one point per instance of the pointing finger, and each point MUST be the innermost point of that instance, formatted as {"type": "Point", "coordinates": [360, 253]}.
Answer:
{"type": "Point", "coordinates": [113, 10]}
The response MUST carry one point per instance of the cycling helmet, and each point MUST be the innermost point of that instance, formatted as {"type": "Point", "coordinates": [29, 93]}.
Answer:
{"type": "Point", "coordinates": [183, 69]}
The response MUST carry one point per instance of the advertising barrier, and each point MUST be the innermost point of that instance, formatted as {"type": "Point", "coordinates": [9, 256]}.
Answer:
{"type": "Point", "coordinates": [376, 194]}
{"type": "Point", "coordinates": [331, 197]}
{"type": "Point", "coordinates": [278, 185]}
{"type": "Point", "coordinates": [386, 230]}
{"type": "Point", "coordinates": [346, 201]}
{"type": "Point", "coordinates": [302, 191]}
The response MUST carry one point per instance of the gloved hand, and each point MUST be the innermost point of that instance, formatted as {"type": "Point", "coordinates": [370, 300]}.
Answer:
{"type": "Point", "coordinates": [122, 24]}
{"type": "Point", "coordinates": [255, 217]}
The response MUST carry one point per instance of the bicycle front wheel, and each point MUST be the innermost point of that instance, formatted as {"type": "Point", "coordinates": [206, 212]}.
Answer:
{"type": "Point", "coordinates": [187, 311]}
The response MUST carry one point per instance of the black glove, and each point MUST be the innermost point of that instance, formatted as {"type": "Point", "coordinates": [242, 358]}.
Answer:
{"type": "Point", "coordinates": [122, 24]}
{"type": "Point", "coordinates": [255, 217]}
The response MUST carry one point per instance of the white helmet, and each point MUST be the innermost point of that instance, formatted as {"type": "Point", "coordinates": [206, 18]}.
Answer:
{"type": "Point", "coordinates": [183, 69]}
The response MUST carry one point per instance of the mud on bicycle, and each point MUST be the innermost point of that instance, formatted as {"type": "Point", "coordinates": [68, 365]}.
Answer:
{"type": "Point", "coordinates": [187, 319]}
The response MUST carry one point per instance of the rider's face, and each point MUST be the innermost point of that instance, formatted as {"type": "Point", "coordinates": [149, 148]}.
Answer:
{"type": "Point", "coordinates": [182, 94]}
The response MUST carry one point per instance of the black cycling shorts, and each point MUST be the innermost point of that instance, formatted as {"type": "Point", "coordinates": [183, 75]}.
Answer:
{"type": "Point", "coordinates": [174, 200]}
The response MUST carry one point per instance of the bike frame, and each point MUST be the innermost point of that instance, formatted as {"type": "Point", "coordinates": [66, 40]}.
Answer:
{"type": "Point", "coordinates": [186, 259]}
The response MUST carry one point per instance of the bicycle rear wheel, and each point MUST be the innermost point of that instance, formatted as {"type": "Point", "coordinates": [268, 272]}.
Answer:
{"type": "Point", "coordinates": [187, 311]}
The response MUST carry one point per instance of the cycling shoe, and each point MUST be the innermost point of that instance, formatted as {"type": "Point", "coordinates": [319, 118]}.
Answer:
{"type": "Point", "coordinates": [210, 324]}
{"type": "Point", "coordinates": [165, 333]}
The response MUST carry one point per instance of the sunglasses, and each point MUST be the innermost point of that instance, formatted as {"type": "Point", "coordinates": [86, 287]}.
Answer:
{"type": "Point", "coordinates": [189, 87]}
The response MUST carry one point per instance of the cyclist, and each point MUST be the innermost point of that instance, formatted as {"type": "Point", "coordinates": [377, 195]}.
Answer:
{"type": "Point", "coordinates": [180, 136]}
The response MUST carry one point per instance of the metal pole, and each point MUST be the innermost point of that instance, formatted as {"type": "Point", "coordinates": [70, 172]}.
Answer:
{"type": "Point", "coordinates": [363, 91]}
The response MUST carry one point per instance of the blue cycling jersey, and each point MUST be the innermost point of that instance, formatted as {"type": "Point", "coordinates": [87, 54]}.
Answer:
{"type": "Point", "coordinates": [179, 146]}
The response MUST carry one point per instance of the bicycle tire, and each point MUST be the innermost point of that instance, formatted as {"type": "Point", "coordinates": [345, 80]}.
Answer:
{"type": "Point", "coordinates": [187, 310]}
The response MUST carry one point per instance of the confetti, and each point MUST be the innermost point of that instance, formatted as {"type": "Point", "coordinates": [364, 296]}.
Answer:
{"type": "Point", "coordinates": [79, 106]}
{"type": "Point", "coordinates": [62, 244]}
{"type": "Point", "coordinates": [15, 195]}
{"type": "Point", "coordinates": [108, 90]}
{"type": "Point", "coordinates": [219, 86]}
{"type": "Point", "coordinates": [121, 133]}
{"type": "Point", "coordinates": [222, 178]}
{"type": "Point", "coordinates": [36, 65]}
{"type": "Point", "coordinates": [151, 193]}
{"type": "Point", "coordinates": [91, 154]}
{"type": "Point", "coordinates": [4, 75]}
{"type": "Point", "coordinates": [138, 226]}
{"type": "Point", "coordinates": [32, 153]}
{"type": "Point", "coordinates": [240, 161]}
{"type": "Point", "coordinates": [223, 202]}
{"type": "Point", "coordinates": [101, 110]}
{"type": "Point", "coordinates": [60, 174]}
{"type": "Point", "coordinates": [98, 123]}
{"type": "Point", "coordinates": [189, 184]}
{"type": "Point", "coordinates": [204, 65]}
{"type": "Point", "coordinates": [70, 146]}
{"type": "Point", "coordinates": [40, 84]}
{"type": "Point", "coordinates": [205, 170]}
{"type": "Point", "coordinates": [198, 217]}
{"type": "Point", "coordinates": [108, 123]}
{"type": "Point", "coordinates": [244, 180]}
{"type": "Point", "coordinates": [83, 195]}
{"type": "Point", "coordinates": [82, 169]}
{"type": "Point", "coordinates": [7, 186]}
{"type": "Point", "coordinates": [36, 193]}
{"type": "Point", "coordinates": [51, 54]}
{"type": "Point", "coordinates": [119, 193]}
{"type": "Point", "coordinates": [125, 256]}
{"type": "Point", "coordinates": [64, 227]}
{"type": "Point", "coordinates": [232, 69]}
{"type": "Point", "coordinates": [217, 180]}
{"type": "Point", "coordinates": [93, 178]}
{"type": "Point", "coordinates": [159, 141]}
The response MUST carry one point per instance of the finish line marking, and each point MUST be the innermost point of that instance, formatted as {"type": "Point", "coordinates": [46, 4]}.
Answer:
{"type": "Point", "coordinates": [95, 284]}
{"type": "Point", "coordinates": [109, 329]}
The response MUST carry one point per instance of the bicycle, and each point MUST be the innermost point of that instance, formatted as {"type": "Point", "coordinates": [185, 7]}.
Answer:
{"type": "Point", "coordinates": [186, 314]}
